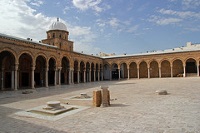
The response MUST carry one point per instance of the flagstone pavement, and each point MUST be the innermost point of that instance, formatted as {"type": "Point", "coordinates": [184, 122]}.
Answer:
{"type": "Point", "coordinates": [135, 108]}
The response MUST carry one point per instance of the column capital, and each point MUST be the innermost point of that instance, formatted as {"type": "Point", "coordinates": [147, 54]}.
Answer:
{"type": "Point", "coordinates": [59, 68]}
{"type": "Point", "coordinates": [33, 68]}
{"type": "Point", "coordinates": [16, 67]}
{"type": "Point", "coordinates": [72, 69]}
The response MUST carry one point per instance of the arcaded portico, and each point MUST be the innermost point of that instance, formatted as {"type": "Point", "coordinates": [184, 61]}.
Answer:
{"type": "Point", "coordinates": [52, 61]}
{"type": "Point", "coordinates": [153, 65]}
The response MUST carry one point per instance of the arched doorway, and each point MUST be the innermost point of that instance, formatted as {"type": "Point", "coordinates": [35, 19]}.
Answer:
{"type": "Point", "coordinates": [51, 73]}
{"type": "Point", "coordinates": [123, 71]}
{"type": "Point", "coordinates": [106, 72]}
{"type": "Point", "coordinates": [65, 71]}
{"type": "Point", "coordinates": [25, 64]}
{"type": "Point", "coordinates": [101, 73]}
{"type": "Point", "coordinates": [191, 67]}
{"type": "Point", "coordinates": [82, 71]}
{"type": "Point", "coordinates": [133, 70]}
{"type": "Point", "coordinates": [97, 72]}
{"type": "Point", "coordinates": [88, 72]}
{"type": "Point", "coordinates": [39, 74]}
{"type": "Point", "coordinates": [143, 70]}
{"type": "Point", "coordinates": [115, 71]}
{"type": "Point", "coordinates": [154, 70]}
{"type": "Point", "coordinates": [7, 63]}
{"type": "Point", "coordinates": [92, 72]}
{"type": "Point", "coordinates": [178, 68]}
{"type": "Point", "coordinates": [165, 69]}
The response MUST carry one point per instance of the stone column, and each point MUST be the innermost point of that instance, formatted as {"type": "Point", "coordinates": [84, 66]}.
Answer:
{"type": "Point", "coordinates": [46, 77]}
{"type": "Point", "coordinates": [18, 80]}
{"type": "Point", "coordinates": [94, 75]}
{"type": "Point", "coordinates": [128, 73]}
{"type": "Point", "coordinates": [102, 75]}
{"type": "Point", "coordinates": [2, 79]}
{"type": "Point", "coordinates": [72, 76]}
{"type": "Point", "coordinates": [55, 77]}
{"type": "Point", "coordinates": [59, 76]}
{"type": "Point", "coordinates": [160, 72]}
{"type": "Point", "coordinates": [119, 73]}
{"type": "Point", "coordinates": [16, 77]}
{"type": "Point", "coordinates": [171, 71]}
{"type": "Point", "coordinates": [184, 72]}
{"type": "Point", "coordinates": [13, 78]}
{"type": "Point", "coordinates": [197, 69]}
{"type": "Point", "coordinates": [78, 76]}
{"type": "Point", "coordinates": [98, 75]}
{"type": "Point", "coordinates": [138, 72]}
{"type": "Point", "coordinates": [84, 76]}
{"type": "Point", "coordinates": [69, 77]}
{"type": "Point", "coordinates": [110, 74]}
{"type": "Point", "coordinates": [90, 75]}
{"type": "Point", "coordinates": [32, 77]}
{"type": "Point", "coordinates": [149, 76]}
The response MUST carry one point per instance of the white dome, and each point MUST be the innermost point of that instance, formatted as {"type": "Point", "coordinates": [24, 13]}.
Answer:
{"type": "Point", "coordinates": [58, 26]}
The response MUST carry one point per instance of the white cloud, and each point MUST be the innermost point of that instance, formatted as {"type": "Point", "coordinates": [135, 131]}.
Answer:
{"type": "Point", "coordinates": [164, 21]}
{"type": "Point", "coordinates": [20, 20]}
{"type": "Point", "coordinates": [167, 17]}
{"type": "Point", "coordinates": [87, 4]}
{"type": "Point", "coordinates": [79, 31]}
{"type": "Point", "coordinates": [196, 29]}
{"type": "Point", "coordinates": [185, 14]}
{"type": "Point", "coordinates": [114, 22]}
{"type": "Point", "coordinates": [84, 38]}
{"type": "Point", "coordinates": [37, 3]}
{"type": "Point", "coordinates": [133, 29]}
{"type": "Point", "coordinates": [191, 3]}
{"type": "Point", "coordinates": [118, 25]}
{"type": "Point", "coordinates": [186, 4]}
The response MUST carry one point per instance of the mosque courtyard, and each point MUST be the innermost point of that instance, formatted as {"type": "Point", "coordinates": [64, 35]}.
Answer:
{"type": "Point", "coordinates": [135, 108]}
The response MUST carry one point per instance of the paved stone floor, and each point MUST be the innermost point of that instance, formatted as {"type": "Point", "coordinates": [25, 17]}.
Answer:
{"type": "Point", "coordinates": [135, 108]}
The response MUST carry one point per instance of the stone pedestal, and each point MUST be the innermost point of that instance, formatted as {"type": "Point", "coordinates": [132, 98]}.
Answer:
{"type": "Point", "coordinates": [97, 98]}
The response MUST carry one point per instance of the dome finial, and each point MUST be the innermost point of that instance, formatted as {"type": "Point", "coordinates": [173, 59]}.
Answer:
{"type": "Point", "coordinates": [57, 19]}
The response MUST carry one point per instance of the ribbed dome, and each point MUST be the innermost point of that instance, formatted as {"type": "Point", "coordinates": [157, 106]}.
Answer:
{"type": "Point", "coordinates": [58, 26]}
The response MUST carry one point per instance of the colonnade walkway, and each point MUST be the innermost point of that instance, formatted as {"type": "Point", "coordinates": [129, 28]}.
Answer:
{"type": "Point", "coordinates": [134, 108]}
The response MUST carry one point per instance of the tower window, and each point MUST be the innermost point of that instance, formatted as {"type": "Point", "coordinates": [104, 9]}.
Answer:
{"type": "Point", "coordinates": [53, 35]}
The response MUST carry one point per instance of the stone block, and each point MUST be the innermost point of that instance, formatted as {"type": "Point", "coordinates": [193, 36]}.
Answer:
{"type": "Point", "coordinates": [97, 98]}
{"type": "Point", "coordinates": [161, 92]}
{"type": "Point", "coordinates": [105, 97]}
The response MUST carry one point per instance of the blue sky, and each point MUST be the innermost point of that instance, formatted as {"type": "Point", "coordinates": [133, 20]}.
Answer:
{"type": "Point", "coordinates": [110, 26]}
